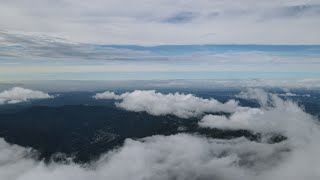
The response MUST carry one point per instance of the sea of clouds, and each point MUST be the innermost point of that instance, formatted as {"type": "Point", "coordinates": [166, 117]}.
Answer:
{"type": "Point", "coordinates": [189, 156]}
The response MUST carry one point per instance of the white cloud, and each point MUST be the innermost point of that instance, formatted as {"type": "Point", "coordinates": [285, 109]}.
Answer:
{"type": "Point", "coordinates": [277, 116]}
{"type": "Point", "coordinates": [289, 94]}
{"type": "Point", "coordinates": [18, 95]}
{"type": "Point", "coordinates": [255, 94]}
{"type": "Point", "coordinates": [181, 105]}
{"type": "Point", "coordinates": [109, 95]}
{"type": "Point", "coordinates": [193, 157]}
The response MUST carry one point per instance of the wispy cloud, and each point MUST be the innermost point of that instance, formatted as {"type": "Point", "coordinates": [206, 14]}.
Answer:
{"type": "Point", "coordinates": [24, 46]}
{"type": "Point", "coordinates": [24, 56]}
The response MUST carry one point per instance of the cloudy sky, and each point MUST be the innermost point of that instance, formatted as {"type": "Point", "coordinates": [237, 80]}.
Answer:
{"type": "Point", "coordinates": [153, 22]}
{"type": "Point", "coordinates": [98, 40]}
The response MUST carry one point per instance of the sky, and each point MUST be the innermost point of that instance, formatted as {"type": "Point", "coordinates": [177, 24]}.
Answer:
{"type": "Point", "coordinates": [159, 39]}
{"type": "Point", "coordinates": [154, 22]}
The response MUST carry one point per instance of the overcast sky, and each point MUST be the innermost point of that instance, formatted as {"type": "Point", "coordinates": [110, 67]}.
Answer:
{"type": "Point", "coordinates": [154, 22]}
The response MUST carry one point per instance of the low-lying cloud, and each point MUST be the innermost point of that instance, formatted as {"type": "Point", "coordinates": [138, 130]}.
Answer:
{"type": "Point", "coordinates": [278, 116]}
{"type": "Point", "coordinates": [180, 105]}
{"type": "Point", "coordinates": [18, 95]}
{"type": "Point", "coordinates": [110, 95]}
{"type": "Point", "coordinates": [194, 157]}
{"type": "Point", "coordinates": [255, 94]}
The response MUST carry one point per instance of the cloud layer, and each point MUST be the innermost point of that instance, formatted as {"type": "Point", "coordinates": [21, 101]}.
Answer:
{"type": "Point", "coordinates": [181, 105]}
{"type": "Point", "coordinates": [167, 22]}
{"type": "Point", "coordinates": [35, 57]}
{"type": "Point", "coordinates": [18, 95]}
{"type": "Point", "coordinates": [185, 156]}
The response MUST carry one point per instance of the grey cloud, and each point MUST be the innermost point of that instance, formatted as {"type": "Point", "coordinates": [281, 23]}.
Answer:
{"type": "Point", "coordinates": [52, 49]}
{"type": "Point", "coordinates": [290, 12]}
{"type": "Point", "coordinates": [42, 46]}
{"type": "Point", "coordinates": [182, 17]}
{"type": "Point", "coordinates": [298, 10]}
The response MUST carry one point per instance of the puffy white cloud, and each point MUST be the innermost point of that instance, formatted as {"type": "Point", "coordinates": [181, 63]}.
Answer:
{"type": "Point", "coordinates": [109, 95]}
{"type": "Point", "coordinates": [181, 105]}
{"type": "Point", "coordinates": [18, 95]}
